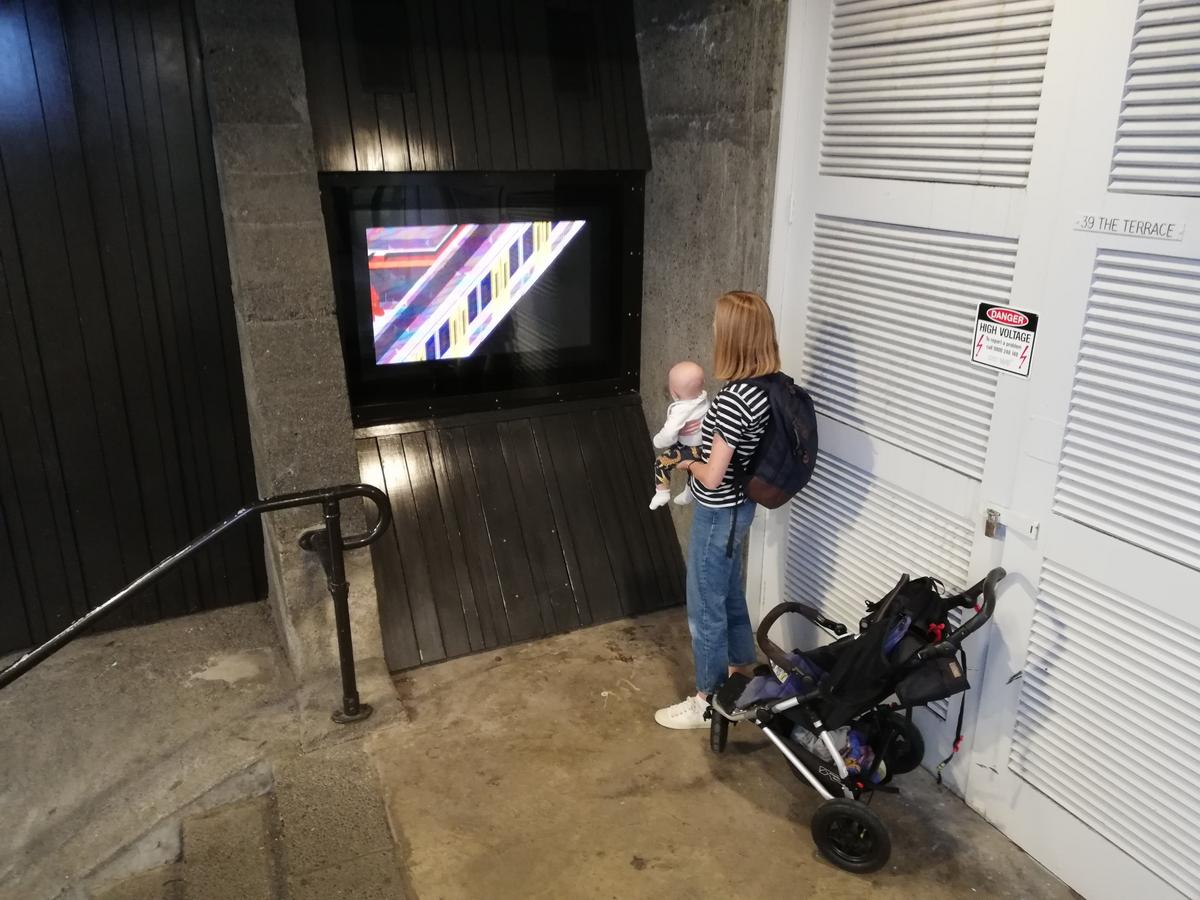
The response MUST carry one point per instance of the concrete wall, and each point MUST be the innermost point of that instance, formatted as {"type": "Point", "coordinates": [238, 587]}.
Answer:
{"type": "Point", "coordinates": [283, 296]}
{"type": "Point", "coordinates": [711, 75]}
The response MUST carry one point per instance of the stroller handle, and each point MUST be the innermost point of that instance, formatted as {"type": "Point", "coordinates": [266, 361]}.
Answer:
{"type": "Point", "coordinates": [953, 641]}
{"type": "Point", "coordinates": [773, 651]}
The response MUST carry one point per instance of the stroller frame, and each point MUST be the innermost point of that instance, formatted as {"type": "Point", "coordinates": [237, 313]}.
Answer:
{"type": "Point", "coordinates": [896, 739]}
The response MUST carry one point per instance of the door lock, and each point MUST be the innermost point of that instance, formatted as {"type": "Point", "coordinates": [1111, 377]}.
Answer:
{"type": "Point", "coordinates": [991, 523]}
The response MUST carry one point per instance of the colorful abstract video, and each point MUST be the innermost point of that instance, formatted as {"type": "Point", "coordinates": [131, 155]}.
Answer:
{"type": "Point", "coordinates": [438, 291]}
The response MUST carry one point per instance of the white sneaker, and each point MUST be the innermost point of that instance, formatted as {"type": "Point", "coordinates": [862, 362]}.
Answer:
{"type": "Point", "coordinates": [688, 713]}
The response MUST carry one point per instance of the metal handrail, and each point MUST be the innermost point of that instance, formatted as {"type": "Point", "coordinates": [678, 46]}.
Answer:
{"type": "Point", "coordinates": [330, 548]}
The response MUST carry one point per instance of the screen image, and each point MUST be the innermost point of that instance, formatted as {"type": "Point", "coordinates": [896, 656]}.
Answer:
{"type": "Point", "coordinates": [452, 291]}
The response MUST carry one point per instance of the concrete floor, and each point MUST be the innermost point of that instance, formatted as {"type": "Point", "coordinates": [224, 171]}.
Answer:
{"type": "Point", "coordinates": [538, 771]}
{"type": "Point", "coordinates": [109, 743]}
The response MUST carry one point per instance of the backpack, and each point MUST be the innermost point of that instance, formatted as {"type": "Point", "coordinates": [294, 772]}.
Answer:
{"type": "Point", "coordinates": [786, 455]}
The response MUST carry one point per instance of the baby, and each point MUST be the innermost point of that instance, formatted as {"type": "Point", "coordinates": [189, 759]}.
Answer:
{"type": "Point", "coordinates": [690, 402]}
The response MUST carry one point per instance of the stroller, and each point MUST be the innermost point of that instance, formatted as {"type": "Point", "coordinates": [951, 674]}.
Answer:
{"type": "Point", "coordinates": [905, 649]}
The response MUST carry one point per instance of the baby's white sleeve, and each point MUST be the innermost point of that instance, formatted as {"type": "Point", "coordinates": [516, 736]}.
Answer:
{"type": "Point", "coordinates": [669, 433]}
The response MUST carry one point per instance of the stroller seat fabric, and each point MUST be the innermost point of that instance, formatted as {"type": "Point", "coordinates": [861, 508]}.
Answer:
{"type": "Point", "coordinates": [855, 673]}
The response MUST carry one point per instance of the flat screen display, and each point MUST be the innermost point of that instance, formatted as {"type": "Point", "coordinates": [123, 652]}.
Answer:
{"type": "Point", "coordinates": [466, 291]}
{"type": "Point", "coordinates": [457, 290]}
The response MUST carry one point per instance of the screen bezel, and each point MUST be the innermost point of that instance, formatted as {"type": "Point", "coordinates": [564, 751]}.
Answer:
{"type": "Point", "coordinates": [612, 202]}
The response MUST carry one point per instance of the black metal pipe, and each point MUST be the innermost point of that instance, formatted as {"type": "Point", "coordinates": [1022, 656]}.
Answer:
{"type": "Point", "coordinates": [339, 590]}
{"type": "Point", "coordinates": [53, 645]}
{"type": "Point", "coordinates": [329, 498]}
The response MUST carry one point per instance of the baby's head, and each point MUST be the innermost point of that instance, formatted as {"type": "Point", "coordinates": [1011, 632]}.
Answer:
{"type": "Point", "coordinates": [685, 380]}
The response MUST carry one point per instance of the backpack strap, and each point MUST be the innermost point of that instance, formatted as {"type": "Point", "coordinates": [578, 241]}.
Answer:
{"type": "Point", "coordinates": [764, 383]}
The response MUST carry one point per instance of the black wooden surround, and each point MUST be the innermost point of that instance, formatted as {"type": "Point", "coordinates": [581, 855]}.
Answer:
{"type": "Point", "coordinates": [473, 85]}
{"type": "Point", "coordinates": [516, 525]}
{"type": "Point", "coordinates": [519, 523]}
{"type": "Point", "coordinates": [123, 430]}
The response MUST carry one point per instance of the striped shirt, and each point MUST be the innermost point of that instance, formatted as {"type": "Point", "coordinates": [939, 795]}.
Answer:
{"type": "Point", "coordinates": [739, 414]}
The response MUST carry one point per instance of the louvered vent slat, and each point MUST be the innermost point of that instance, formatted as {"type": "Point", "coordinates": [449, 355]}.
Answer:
{"type": "Point", "coordinates": [935, 90]}
{"type": "Point", "coordinates": [850, 536]}
{"type": "Point", "coordinates": [1129, 463]}
{"type": "Point", "coordinates": [1158, 138]}
{"type": "Point", "coordinates": [890, 300]}
{"type": "Point", "coordinates": [1093, 698]}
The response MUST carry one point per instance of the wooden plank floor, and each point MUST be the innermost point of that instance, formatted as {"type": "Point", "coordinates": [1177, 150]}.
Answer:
{"type": "Point", "coordinates": [516, 525]}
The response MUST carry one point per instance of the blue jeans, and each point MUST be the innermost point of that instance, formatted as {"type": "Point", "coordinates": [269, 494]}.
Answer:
{"type": "Point", "coordinates": [716, 599]}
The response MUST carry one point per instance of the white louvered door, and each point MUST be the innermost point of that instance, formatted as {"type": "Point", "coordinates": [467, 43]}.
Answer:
{"type": "Point", "coordinates": [905, 210]}
{"type": "Point", "coordinates": [1090, 759]}
{"type": "Point", "coordinates": [940, 153]}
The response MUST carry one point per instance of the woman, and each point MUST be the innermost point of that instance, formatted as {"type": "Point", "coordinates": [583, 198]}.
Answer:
{"type": "Point", "coordinates": [722, 639]}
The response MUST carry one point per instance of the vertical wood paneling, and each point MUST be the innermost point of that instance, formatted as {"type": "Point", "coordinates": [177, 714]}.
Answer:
{"type": "Point", "coordinates": [434, 543]}
{"type": "Point", "coordinates": [601, 600]}
{"type": "Point", "coordinates": [521, 607]}
{"type": "Point", "coordinates": [121, 409]}
{"type": "Point", "coordinates": [481, 563]}
{"type": "Point", "coordinates": [444, 475]}
{"type": "Point", "coordinates": [325, 84]}
{"type": "Point", "coordinates": [53, 306]}
{"type": "Point", "coordinates": [462, 116]}
{"type": "Point", "coordinates": [105, 143]}
{"type": "Point", "coordinates": [364, 115]}
{"type": "Point", "coordinates": [576, 585]}
{"type": "Point", "coordinates": [664, 541]}
{"type": "Point", "coordinates": [511, 522]}
{"type": "Point", "coordinates": [427, 57]}
{"type": "Point", "coordinates": [126, 127]}
{"type": "Point", "coordinates": [163, 244]}
{"type": "Point", "coordinates": [395, 617]}
{"type": "Point", "coordinates": [539, 528]}
{"type": "Point", "coordinates": [506, 20]}
{"type": "Point", "coordinates": [473, 66]}
{"type": "Point", "coordinates": [419, 584]}
{"type": "Point", "coordinates": [483, 94]}
{"type": "Point", "coordinates": [633, 478]}
{"type": "Point", "coordinates": [630, 565]}
{"type": "Point", "coordinates": [497, 124]}
{"type": "Point", "coordinates": [622, 33]}
{"type": "Point", "coordinates": [35, 505]}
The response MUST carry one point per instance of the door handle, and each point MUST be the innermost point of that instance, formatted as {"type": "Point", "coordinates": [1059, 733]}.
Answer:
{"type": "Point", "coordinates": [996, 516]}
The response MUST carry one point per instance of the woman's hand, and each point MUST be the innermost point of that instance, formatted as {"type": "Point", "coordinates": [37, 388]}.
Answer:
{"type": "Point", "coordinates": [712, 472]}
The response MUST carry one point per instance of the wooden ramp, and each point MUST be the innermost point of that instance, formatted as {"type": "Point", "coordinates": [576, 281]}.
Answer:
{"type": "Point", "coordinates": [515, 525]}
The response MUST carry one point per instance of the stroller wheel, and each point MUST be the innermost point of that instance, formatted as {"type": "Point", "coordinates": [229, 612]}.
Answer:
{"type": "Point", "coordinates": [851, 836]}
{"type": "Point", "coordinates": [718, 732]}
{"type": "Point", "coordinates": [908, 747]}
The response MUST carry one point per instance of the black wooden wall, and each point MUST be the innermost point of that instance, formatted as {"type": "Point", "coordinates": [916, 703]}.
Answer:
{"type": "Point", "coordinates": [515, 525]}
{"type": "Point", "coordinates": [123, 429]}
{"type": "Point", "coordinates": [458, 85]}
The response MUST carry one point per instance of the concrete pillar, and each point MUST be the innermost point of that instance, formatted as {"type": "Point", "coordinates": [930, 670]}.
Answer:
{"type": "Point", "coordinates": [712, 73]}
{"type": "Point", "coordinates": [283, 298]}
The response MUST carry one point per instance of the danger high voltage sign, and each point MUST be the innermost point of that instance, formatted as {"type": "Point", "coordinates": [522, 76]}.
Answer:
{"type": "Point", "coordinates": [1004, 338]}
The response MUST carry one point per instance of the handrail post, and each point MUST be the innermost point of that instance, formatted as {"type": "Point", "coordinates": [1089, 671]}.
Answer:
{"type": "Point", "coordinates": [339, 590]}
{"type": "Point", "coordinates": [330, 547]}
